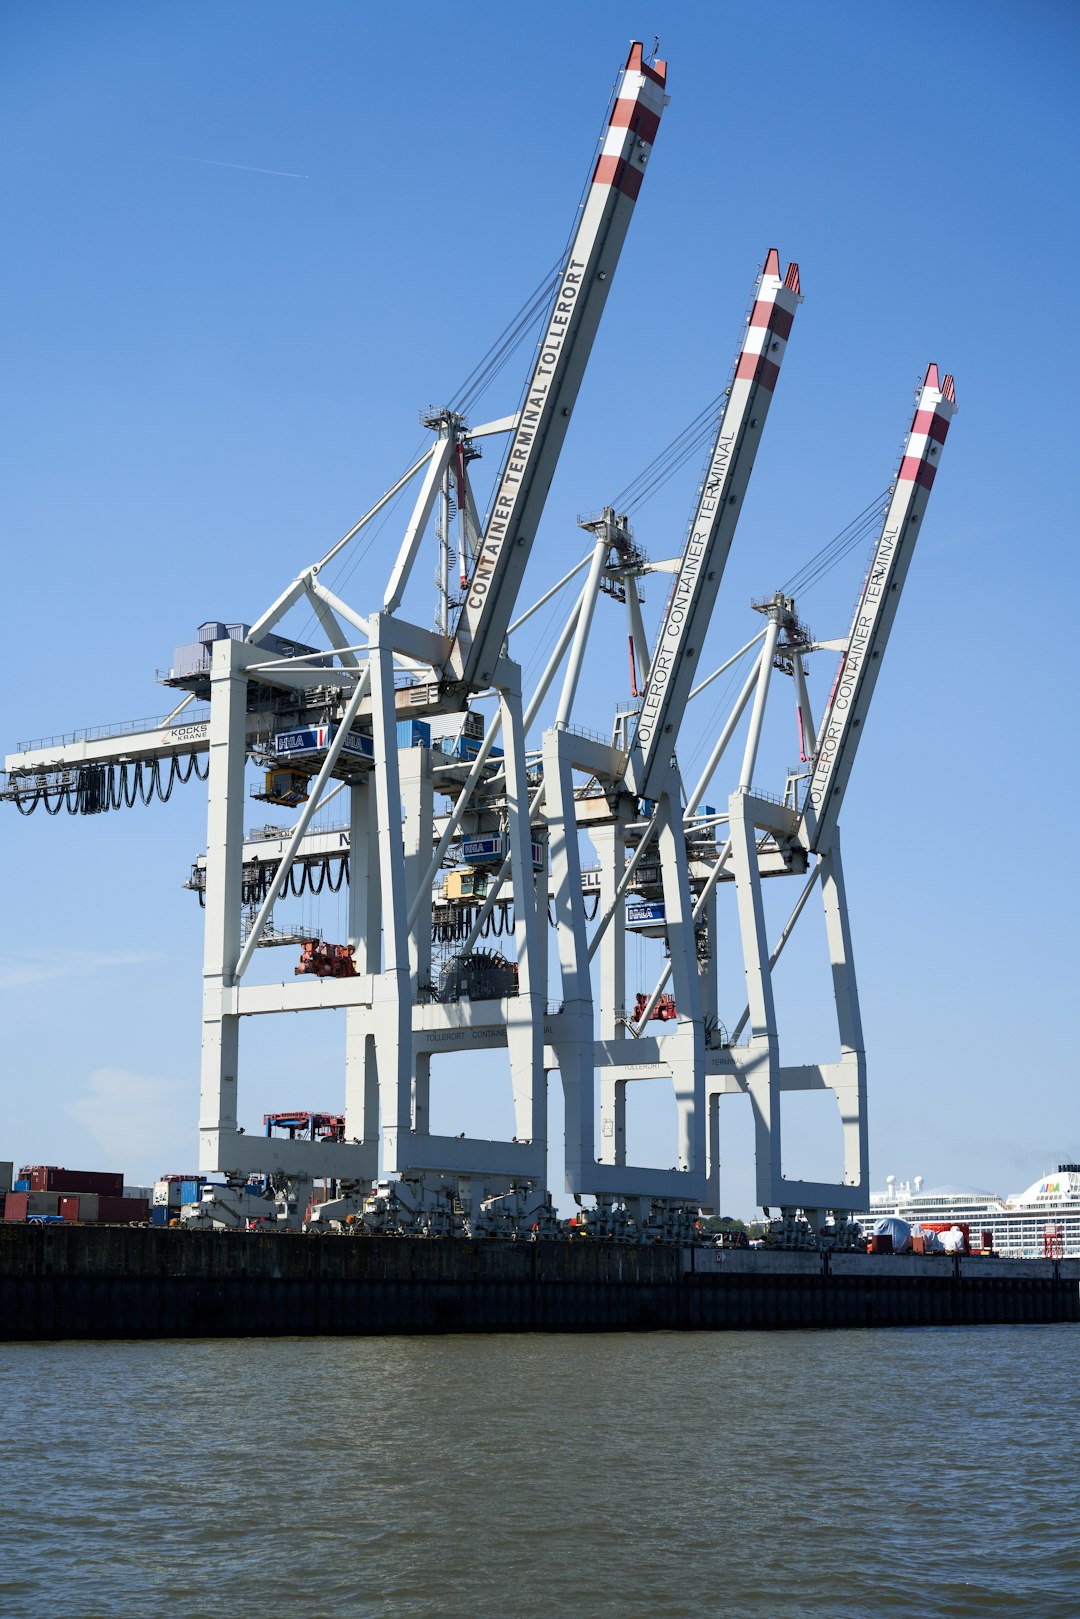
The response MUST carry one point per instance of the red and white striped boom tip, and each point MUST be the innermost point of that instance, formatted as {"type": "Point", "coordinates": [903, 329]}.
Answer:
{"type": "Point", "coordinates": [934, 411]}
{"type": "Point", "coordinates": [769, 325]}
{"type": "Point", "coordinates": [632, 126]}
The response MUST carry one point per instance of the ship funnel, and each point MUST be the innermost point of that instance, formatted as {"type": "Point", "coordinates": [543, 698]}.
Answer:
{"type": "Point", "coordinates": [918, 1184]}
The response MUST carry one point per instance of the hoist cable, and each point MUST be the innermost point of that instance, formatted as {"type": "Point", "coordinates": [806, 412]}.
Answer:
{"type": "Point", "coordinates": [672, 456]}
{"type": "Point", "coordinates": [853, 534]}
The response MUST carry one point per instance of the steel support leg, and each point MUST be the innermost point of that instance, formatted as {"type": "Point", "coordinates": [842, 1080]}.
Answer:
{"type": "Point", "coordinates": [224, 885]}
{"type": "Point", "coordinates": [684, 1051]}
{"type": "Point", "coordinates": [848, 1078]}
{"type": "Point", "coordinates": [392, 987]}
{"type": "Point", "coordinates": [758, 1063]}
{"type": "Point", "coordinates": [525, 1011]}
{"type": "Point", "coordinates": [361, 1071]}
{"type": "Point", "coordinates": [576, 1022]}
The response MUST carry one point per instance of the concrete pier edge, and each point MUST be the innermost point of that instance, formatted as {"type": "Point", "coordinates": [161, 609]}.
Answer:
{"type": "Point", "coordinates": [94, 1282]}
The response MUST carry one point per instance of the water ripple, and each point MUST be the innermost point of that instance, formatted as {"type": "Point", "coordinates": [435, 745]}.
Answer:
{"type": "Point", "coordinates": [835, 1475]}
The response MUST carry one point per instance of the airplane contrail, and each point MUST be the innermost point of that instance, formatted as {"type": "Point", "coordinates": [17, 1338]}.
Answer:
{"type": "Point", "coordinates": [217, 163]}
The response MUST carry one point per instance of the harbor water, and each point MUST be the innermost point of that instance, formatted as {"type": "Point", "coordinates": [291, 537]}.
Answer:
{"type": "Point", "coordinates": [871, 1473]}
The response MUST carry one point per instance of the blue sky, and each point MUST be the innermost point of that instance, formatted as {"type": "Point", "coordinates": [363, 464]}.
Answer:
{"type": "Point", "coordinates": [210, 370]}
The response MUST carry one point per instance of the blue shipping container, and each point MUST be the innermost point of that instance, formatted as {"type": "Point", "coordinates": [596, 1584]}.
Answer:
{"type": "Point", "coordinates": [413, 734]}
{"type": "Point", "coordinates": [317, 738]}
{"type": "Point", "coordinates": [489, 851]}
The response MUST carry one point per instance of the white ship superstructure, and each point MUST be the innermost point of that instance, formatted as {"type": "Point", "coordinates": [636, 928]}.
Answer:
{"type": "Point", "coordinates": [1044, 1219]}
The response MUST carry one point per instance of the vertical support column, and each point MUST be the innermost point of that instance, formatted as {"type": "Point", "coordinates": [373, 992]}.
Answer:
{"type": "Point", "coordinates": [525, 1011]}
{"type": "Point", "coordinates": [684, 1051]}
{"type": "Point", "coordinates": [713, 1160]}
{"type": "Point", "coordinates": [848, 1077]}
{"type": "Point", "coordinates": [575, 1036]}
{"type": "Point", "coordinates": [221, 919]}
{"type": "Point", "coordinates": [612, 1149]}
{"type": "Point", "coordinates": [610, 845]}
{"type": "Point", "coordinates": [361, 1071]}
{"type": "Point", "coordinates": [759, 1063]}
{"type": "Point", "coordinates": [414, 766]}
{"type": "Point", "coordinates": [601, 550]}
{"type": "Point", "coordinates": [392, 987]}
{"type": "Point", "coordinates": [708, 972]}
{"type": "Point", "coordinates": [757, 713]}
{"type": "Point", "coordinates": [637, 632]}
{"type": "Point", "coordinates": [802, 698]}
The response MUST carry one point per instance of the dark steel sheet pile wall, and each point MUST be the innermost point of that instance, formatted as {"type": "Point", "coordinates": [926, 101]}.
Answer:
{"type": "Point", "coordinates": [129, 1282]}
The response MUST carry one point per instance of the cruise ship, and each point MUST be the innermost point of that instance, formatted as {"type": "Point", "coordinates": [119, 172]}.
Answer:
{"type": "Point", "coordinates": [1042, 1222]}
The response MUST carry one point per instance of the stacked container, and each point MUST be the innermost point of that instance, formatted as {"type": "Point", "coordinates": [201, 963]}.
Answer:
{"type": "Point", "coordinates": [84, 1195]}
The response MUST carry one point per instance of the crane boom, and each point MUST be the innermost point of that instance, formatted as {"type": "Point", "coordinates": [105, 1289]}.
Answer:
{"type": "Point", "coordinates": [560, 363]}
{"type": "Point", "coordinates": [693, 596]}
{"type": "Point", "coordinates": [857, 675]}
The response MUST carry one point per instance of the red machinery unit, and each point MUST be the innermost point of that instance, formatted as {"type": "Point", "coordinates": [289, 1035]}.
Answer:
{"type": "Point", "coordinates": [326, 960]}
{"type": "Point", "coordinates": [664, 1008]}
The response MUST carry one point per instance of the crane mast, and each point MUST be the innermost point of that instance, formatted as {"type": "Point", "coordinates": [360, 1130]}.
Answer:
{"type": "Point", "coordinates": [712, 529]}
{"type": "Point", "coordinates": [857, 675]}
{"type": "Point", "coordinates": [560, 364]}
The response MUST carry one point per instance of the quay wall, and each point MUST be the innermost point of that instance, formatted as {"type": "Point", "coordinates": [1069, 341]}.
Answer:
{"type": "Point", "coordinates": [135, 1282]}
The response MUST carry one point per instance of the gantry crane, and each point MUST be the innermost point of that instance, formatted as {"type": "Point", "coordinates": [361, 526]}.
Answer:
{"type": "Point", "coordinates": [646, 776]}
{"type": "Point", "coordinates": [755, 1068]}
{"type": "Point", "coordinates": [385, 714]}
{"type": "Point", "coordinates": [391, 1035]}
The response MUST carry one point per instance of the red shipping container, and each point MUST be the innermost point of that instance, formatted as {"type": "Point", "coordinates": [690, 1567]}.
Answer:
{"type": "Point", "coordinates": [15, 1205]}
{"type": "Point", "coordinates": [122, 1210]}
{"type": "Point", "coordinates": [69, 1208]}
{"type": "Point", "coordinates": [52, 1178]}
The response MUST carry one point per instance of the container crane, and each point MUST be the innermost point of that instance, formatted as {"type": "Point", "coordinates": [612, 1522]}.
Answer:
{"type": "Point", "coordinates": [860, 663]}
{"type": "Point", "coordinates": [368, 713]}
{"type": "Point", "coordinates": [646, 773]}
{"type": "Point", "coordinates": [756, 1067]}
